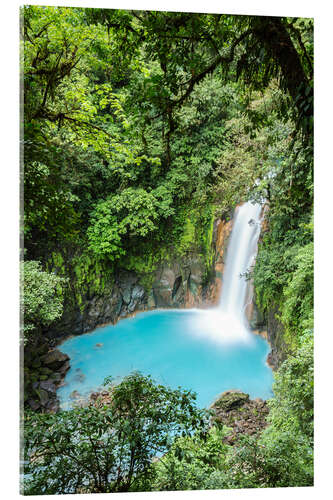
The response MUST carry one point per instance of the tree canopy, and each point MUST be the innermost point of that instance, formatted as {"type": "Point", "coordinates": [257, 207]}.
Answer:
{"type": "Point", "coordinates": [121, 100]}
{"type": "Point", "coordinates": [108, 447]}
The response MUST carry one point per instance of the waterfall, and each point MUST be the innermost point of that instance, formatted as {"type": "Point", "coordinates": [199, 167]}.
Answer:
{"type": "Point", "coordinates": [241, 253]}
{"type": "Point", "coordinates": [227, 323]}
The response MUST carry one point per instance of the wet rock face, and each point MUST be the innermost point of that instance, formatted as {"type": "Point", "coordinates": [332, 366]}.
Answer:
{"type": "Point", "coordinates": [171, 285]}
{"type": "Point", "coordinates": [175, 285]}
{"type": "Point", "coordinates": [244, 416]}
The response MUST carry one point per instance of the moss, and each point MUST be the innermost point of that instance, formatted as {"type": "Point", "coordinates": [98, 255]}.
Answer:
{"type": "Point", "coordinates": [90, 276]}
{"type": "Point", "coordinates": [193, 230]}
{"type": "Point", "coordinates": [144, 264]}
{"type": "Point", "coordinates": [188, 237]}
{"type": "Point", "coordinates": [147, 281]}
{"type": "Point", "coordinates": [207, 237]}
{"type": "Point", "coordinates": [231, 400]}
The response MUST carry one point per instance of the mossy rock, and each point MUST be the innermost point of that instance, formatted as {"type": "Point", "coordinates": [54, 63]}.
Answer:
{"type": "Point", "coordinates": [43, 396]}
{"type": "Point", "coordinates": [230, 400]}
{"type": "Point", "coordinates": [46, 371]}
{"type": "Point", "coordinates": [56, 377]}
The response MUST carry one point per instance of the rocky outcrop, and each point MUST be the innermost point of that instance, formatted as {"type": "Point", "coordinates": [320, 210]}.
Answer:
{"type": "Point", "coordinates": [268, 326]}
{"type": "Point", "coordinates": [242, 415]}
{"type": "Point", "coordinates": [178, 285]}
{"type": "Point", "coordinates": [43, 375]}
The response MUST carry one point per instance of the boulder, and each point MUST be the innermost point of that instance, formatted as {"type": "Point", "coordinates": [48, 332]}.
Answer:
{"type": "Point", "coordinates": [34, 405]}
{"type": "Point", "coordinates": [64, 368]}
{"type": "Point", "coordinates": [230, 400]}
{"type": "Point", "coordinates": [56, 378]}
{"type": "Point", "coordinates": [75, 395]}
{"type": "Point", "coordinates": [53, 406]}
{"type": "Point", "coordinates": [236, 410]}
{"type": "Point", "coordinates": [55, 359]}
{"type": "Point", "coordinates": [48, 386]}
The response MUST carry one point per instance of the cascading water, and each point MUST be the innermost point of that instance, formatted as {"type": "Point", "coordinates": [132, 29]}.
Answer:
{"type": "Point", "coordinates": [228, 323]}
{"type": "Point", "coordinates": [242, 250]}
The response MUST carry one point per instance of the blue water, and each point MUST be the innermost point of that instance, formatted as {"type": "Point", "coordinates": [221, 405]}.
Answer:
{"type": "Point", "coordinates": [188, 348]}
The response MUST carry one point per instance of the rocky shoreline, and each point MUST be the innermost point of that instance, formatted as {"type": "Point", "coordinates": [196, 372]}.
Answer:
{"type": "Point", "coordinates": [54, 365]}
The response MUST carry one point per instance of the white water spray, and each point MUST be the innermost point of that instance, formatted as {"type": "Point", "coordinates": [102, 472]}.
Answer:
{"type": "Point", "coordinates": [228, 323]}
{"type": "Point", "coordinates": [241, 253]}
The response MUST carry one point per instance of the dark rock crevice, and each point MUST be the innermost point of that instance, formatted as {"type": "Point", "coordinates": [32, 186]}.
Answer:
{"type": "Point", "coordinates": [176, 286]}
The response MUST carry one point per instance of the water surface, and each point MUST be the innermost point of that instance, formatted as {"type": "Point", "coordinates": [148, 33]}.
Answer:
{"type": "Point", "coordinates": [200, 350]}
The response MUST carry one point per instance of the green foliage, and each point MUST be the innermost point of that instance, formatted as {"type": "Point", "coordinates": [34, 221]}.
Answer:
{"type": "Point", "coordinates": [107, 447]}
{"type": "Point", "coordinates": [58, 49]}
{"type": "Point", "coordinates": [283, 273]}
{"type": "Point", "coordinates": [193, 231]}
{"type": "Point", "coordinates": [282, 461]}
{"type": "Point", "coordinates": [291, 409]}
{"type": "Point", "coordinates": [42, 300]}
{"type": "Point", "coordinates": [283, 455]}
{"type": "Point", "coordinates": [48, 206]}
{"type": "Point", "coordinates": [133, 212]}
{"type": "Point", "coordinates": [190, 462]}
{"type": "Point", "coordinates": [188, 236]}
{"type": "Point", "coordinates": [297, 308]}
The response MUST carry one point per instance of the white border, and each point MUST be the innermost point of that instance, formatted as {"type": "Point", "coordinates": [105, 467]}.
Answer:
{"type": "Point", "coordinates": [323, 223]}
